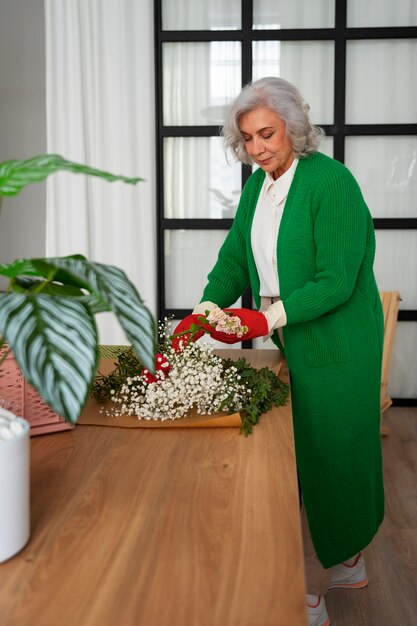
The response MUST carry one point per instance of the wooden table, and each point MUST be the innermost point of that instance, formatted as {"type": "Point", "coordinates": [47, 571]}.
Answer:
{"type": "Point", "coordinates": [161, 527]}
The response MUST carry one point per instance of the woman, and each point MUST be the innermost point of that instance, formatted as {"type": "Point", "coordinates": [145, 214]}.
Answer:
{"type": "Point", "coordinates": [303, 238]}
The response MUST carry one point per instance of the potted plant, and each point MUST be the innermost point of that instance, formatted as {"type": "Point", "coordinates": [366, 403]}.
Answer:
{"type": "Point", "coordinates": [47, 318]}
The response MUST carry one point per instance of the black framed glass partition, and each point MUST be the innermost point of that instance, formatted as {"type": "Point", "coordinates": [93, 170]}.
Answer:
{"type": "Point", "coordinates": [354, 64]}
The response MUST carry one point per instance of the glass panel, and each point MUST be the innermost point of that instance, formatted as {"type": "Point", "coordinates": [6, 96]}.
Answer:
{"type": "Point", "coordinates": [402, 374]}
{"type": "Point", "coordinates": [189, 257]}
{"type": "Point", "coordinates": [395, 263]}
{"type": "Point", "coordinates": [199, 81]}
{"type": "Point", "coordinates": [198, 181]}
{"type": "Point", "coordinates": [326, 146]}
{"type": "Point", "coordinates": [269, 14]}
{"type": "Point", "coordinates": [380, 81]}
{"type": "Point", "coordinates": [306, 64]}
{"type": "Point", "coordinates": [201, 15]}
{"type": "Point", "coordinates": [386, 170]}
{"type": "Point", "coordinates": [377, 13]}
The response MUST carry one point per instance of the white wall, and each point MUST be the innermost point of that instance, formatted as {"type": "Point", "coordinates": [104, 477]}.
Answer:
{"type": "Point", "coordinates": [22, 122]}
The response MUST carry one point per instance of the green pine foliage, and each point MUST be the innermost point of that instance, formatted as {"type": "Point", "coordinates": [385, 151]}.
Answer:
{"type": "Point", "coordinates": [265, 388]}
{"type": "Point", "coordinates": [267, 391]}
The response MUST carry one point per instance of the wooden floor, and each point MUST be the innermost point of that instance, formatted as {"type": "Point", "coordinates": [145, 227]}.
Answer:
{"type": "Point", "coordinates": [391, 597]}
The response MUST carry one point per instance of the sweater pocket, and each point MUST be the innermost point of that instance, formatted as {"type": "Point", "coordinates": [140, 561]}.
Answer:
{"type": "Point", "coordinates": [326, 341]}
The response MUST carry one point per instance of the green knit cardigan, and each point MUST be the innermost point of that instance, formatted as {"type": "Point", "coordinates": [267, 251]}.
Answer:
{"type": "Point", "coordinates": [333, 344]}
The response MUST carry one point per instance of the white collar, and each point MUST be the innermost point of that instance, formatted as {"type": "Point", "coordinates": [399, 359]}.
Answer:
{"type": "Point", "coordinates": [282, 184]}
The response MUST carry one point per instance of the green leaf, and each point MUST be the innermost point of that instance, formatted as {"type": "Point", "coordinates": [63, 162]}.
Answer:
{"type": "Point", "coordinates": [267, 390]}
{"type": "Point", "coordinates": [23, 283]}
{"type": "Point", "coordinates": [16, 174]}
{"type": "Point", "coordinates": [94, 304]}
{"type": "Point", "coordinates": [26, 267]}
{"type": "Point", "coordinates": [54, 340]}
{"type": "Point", "coordinates": [111, 286]}
{"type": "Point", "coordinates": [107, 293]}
{"type": "Point", "coordinates": [45, 268]}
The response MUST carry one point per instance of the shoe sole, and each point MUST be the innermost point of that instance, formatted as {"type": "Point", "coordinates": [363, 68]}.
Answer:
{"type": "Point", "coordinates": [360, 585]}
{"type": "Point", "coordinates": [326, 623]}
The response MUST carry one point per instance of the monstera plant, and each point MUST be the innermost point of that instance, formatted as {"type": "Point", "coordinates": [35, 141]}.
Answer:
{"type": "Point", "coordinates": [47, 313]}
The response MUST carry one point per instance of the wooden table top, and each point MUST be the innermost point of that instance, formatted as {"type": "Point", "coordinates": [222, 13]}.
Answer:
{"type": "Point", "coordinates": [161, 527]}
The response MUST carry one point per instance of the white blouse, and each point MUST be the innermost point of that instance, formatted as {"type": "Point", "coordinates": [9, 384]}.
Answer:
{"type": "Point", "coordinates": [264, 235]}
{"type": "Point", "coordinates": [265, 228]}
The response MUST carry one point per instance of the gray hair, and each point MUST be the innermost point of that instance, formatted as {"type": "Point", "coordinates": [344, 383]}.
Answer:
{"type": "Point", "coordinates": [283, 98]}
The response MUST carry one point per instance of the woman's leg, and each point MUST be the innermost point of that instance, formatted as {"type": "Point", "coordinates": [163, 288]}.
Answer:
{"type": "Point", "coordinates": [317, 578]}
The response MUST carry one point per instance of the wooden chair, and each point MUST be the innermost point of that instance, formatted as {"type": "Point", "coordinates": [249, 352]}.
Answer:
{"type": "Point", "coordinates": [390, 305]}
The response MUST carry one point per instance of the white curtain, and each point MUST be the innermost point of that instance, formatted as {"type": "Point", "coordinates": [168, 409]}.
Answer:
{"type": "Point", "coordinates": [297, 14]}
{"type": "Point", "coordinates": [100, 111]}
{"type": "Point", "coordinates": [186, 91]}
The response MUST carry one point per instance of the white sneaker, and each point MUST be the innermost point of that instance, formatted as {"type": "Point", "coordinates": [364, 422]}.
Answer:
{"type": "Point", "coordinates": [349, 576]}
{"type": "Point", "coordinates": [316, 611]}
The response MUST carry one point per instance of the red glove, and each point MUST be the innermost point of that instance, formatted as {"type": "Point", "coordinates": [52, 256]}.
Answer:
{"type": "Point", "coordinates": [256, 322]}
{"type": "Point", "coordinates": [185, 324]}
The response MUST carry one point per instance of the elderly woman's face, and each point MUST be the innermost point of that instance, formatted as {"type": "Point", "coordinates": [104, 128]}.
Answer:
{"type": "Point", "coordinates": [266, 141]}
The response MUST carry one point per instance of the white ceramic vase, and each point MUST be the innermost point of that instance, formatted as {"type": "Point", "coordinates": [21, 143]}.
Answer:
{"type": "Point", "coordinates": [14, 489]}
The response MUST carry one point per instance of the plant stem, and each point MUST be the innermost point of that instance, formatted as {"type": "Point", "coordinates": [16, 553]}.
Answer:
{"type": "Point", "coordinates": [44, 283]}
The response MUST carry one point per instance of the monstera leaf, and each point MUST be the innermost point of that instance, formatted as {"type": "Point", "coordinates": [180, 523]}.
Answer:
{"type": "Point", "coordinates": [47, 319]}
{"type": "Point", "coordinates": [16, 174]}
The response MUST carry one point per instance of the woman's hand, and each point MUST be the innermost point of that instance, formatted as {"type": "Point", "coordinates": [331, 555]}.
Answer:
{"type": "Point", "coordinates": [275, 315]}
{"type": "Point", "coordinates": [194, 326]}
{"type": "Point", "coordinates": [202, 307]}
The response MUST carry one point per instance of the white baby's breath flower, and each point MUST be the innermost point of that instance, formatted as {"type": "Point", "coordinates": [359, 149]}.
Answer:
{"type": "Point", "coordinates": [196, 378]}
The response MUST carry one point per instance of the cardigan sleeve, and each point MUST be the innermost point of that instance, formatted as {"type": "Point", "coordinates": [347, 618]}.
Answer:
{"type": "Point", "coordinates": [340, 238]}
